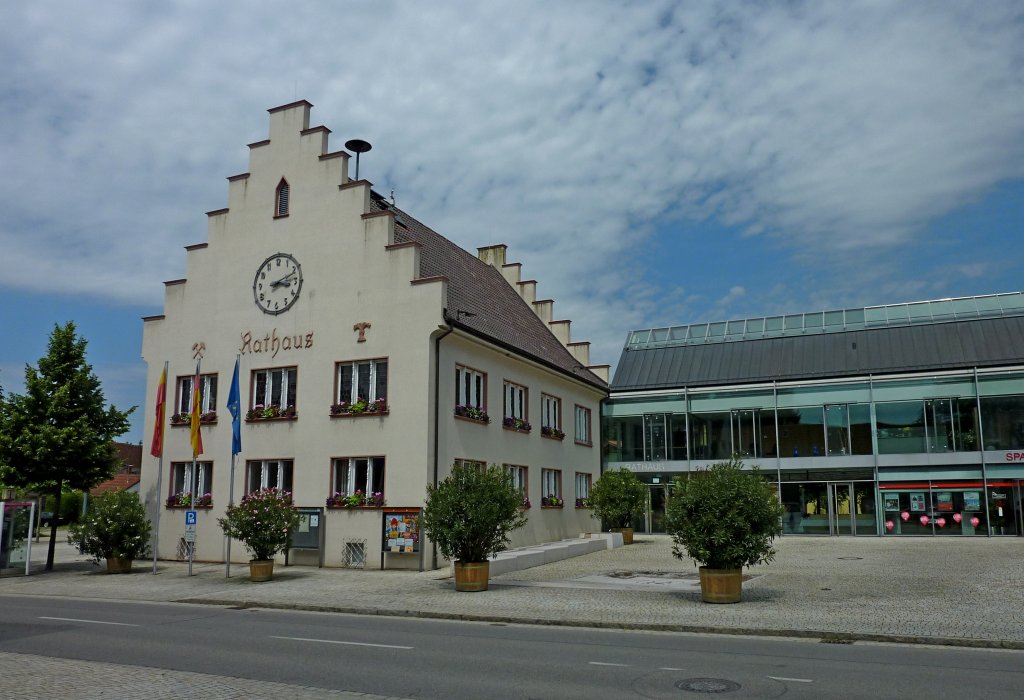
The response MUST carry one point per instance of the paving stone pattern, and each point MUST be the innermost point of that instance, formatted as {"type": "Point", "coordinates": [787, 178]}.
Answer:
{"type": "Point", "coordinates": [953, 591]}
{"type": "Point", "coordinates": [30, 677]}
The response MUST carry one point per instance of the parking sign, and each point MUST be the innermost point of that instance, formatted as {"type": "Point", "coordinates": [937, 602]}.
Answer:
{"type": "Point", "coordinates": [190, 517]}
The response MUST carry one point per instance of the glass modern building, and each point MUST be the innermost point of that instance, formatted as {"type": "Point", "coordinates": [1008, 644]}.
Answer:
{"type": "Point", "coordinates": [905, 419]}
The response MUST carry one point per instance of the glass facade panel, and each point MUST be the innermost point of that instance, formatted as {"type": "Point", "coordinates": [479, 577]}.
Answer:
{"type": "Point", "coordinates": [746, 429]}
{"type": "Point", "coordinates": [1001, 384]}
{"type": "Point", "coordinates": [801, 432]}
{"type": "Point", "coordinates": [654, 437]}
{"type": "Point", "coordinates": [860, 429]}
{"type": "Point", "coordinates": [710, 436]}
{"type": "Point", "coordinates": [624, 439]}
{"type": "Point", "coordinates": [677, 436]}
{"type": "Point", "coordinates": [854, 392]}
{"type": "Point", "coordinates": [837, 429]}
{"type": "Point", "coordinates": [1002, 422]}
{"type": "Point", "coordinates": [900, 427]}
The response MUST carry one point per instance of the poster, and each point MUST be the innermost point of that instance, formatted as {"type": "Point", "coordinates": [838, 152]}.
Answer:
{"type": "Point", "coordinates": [892, 501]}
{"type": "Point", "coordinates": [917, 502]}
{"type": "Point", "coordinates": [972, 500]}
{"type": "Point", "coordinates": [944, 501]}
{"type": "Point", "coordinates": [401, 532]}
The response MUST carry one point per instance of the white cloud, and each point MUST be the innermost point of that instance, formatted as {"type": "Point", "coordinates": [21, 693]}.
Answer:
{"type": "Point", "coordinates": [568, 131]}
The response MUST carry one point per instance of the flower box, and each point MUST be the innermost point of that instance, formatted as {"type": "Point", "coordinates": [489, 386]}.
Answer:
{"type": "Point", "coordinates": [472, 413]}
{"type": "Point", "coordinates": [361, 407]}
{"type": "Point", "coordinates": [517, 424]}
{"type": "Point", "coordinates": [184, 500]}
{"type": "Point", "coordinates": [582, 503]}
{"type": "Point", "coordinates": [551, 502]}
{"type": "Point", "coordinates": [182, 419]}
{"type": "Point", "coordinates": [526, 503]}
{"type": "Point", "coordinates": [553, 433]}
{"type": "Point", "coordinates": [259, 412]}
{"type": "Point", "coordinates": [349, 501]}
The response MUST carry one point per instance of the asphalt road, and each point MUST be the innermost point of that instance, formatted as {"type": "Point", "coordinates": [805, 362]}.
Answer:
{"type": "Point", "coordinates": [417, 658]}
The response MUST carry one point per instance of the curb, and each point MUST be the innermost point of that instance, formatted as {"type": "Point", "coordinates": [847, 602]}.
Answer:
{"type": "Point", "coordinates": [826, 637]}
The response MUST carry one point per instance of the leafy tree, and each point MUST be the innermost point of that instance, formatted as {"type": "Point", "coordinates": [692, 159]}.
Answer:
{"type": "Point", "coordinates": [60, 433]}
{"type": "Point", "coordinates": [618, 497]}
{"type": "Point", "coordinates": [470, 514]}
{"type": "Point", "coordinates": [724, 517]}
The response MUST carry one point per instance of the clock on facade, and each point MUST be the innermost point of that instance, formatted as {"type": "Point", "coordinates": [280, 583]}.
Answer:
{"type": "Point", "coordinates": [277, 283]}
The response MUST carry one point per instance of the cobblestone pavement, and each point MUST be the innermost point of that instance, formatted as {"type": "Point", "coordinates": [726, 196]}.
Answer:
{"type": "Point", "coordinates": [925, 590]}
{"type": "Point", "coordinates": [29, 677]}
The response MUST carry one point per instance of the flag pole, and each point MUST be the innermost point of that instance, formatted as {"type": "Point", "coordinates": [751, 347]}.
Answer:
{"type": "Point", "coordinates": [197, 448]}
{"type": "Point", "coordinates": [234, 406]}
{"type": "Point", "coordinates": [162, 401]}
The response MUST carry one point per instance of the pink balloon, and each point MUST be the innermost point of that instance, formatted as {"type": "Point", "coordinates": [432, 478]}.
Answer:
{"type": "Point", "coordinates": [940, 521]}
{"type": "Point", "coordinates": [957, 518]}
{"type": "Point", "coordinates": [975, 521]}
{"type": "Point", "coordinates": [905, 515]}
{"type": "Point", "coordinates": [924, 519]}
{"type": "Point", "coordinates": [889, 525]}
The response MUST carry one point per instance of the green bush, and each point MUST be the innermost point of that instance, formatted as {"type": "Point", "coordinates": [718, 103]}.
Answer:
{"type": "Point", "coordinates": [115, 526]}
{"type": "Point", "coordinates": [724, 517]}
{"type": "Point", "coordinates": [470, 514]}
{"type": "Point", "coordinates": [71, 506]}
{"type": "Point", "coordinates": [618, 497]}
{"type": "Point", "coordinates": [262, 521]}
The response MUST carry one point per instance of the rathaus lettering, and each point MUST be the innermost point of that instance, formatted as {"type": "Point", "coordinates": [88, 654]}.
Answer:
{"type": "Point", "coordinates": [272, 343]}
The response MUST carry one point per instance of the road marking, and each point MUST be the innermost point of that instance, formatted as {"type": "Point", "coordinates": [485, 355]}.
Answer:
{"type": "Point", "coordinates": [600, 663]}
{"type": "Point", "coordinates": [794, 680]}
{"type": "Point", "coordinates": [669, 668]}
{"type": "Point", "coordinates": [334, 641]}
{"type": "Point", "coordinates": [91, 622]}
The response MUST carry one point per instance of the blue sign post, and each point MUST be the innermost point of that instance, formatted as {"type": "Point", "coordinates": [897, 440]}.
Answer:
{"type": "Point", "coordinates": [190, 536]}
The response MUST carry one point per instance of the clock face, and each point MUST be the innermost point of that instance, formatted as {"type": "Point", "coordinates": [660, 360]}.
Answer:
{"type": "Point", "coordinates": [277, 283]}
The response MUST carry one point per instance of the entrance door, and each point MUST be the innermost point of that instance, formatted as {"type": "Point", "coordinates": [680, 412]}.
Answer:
{"type": "Point", "coordinates": [841, 520]}
{"type": "Point", "coordinates": [656, 511]}
{"type": "Point", "coordinates": [852, 508]}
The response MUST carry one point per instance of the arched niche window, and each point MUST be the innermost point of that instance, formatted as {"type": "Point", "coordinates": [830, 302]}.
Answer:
{"type": "Point", "coordinates": [281, 199]}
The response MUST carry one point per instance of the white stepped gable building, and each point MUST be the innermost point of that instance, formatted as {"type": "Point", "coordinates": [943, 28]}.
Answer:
{"type": "Point", "coordinates": [374, 354]}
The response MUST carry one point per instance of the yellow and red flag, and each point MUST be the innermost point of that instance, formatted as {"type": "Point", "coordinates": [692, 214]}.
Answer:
{"type": "Point", "coordinates": [197, 399]}
{"type": "Point", "coordinates": [157, 448]}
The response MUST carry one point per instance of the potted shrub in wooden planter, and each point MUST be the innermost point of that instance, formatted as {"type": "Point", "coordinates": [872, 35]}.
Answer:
{"type": "Point", "coordinates": [115, 528]}
{"type": "Point", "coordinates": [469, 516]}
{"type": "Point", "coordinates": [725, 518]}
{"type": "Point", "coordinates": [617, 498]}
{"type": "Point", "coordinates": [262, 521]}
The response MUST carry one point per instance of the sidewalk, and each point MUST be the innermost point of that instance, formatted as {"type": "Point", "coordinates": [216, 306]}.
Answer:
{"type": "Point", "coordinates": [967, 592]}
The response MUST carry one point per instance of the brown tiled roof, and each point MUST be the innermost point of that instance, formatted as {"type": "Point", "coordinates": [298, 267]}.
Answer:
{"type": "Point", "coordinates": [131, 465]}
{"type": "Point", "coordinates": [120, 482]}
{"type": "Point", "coordinates": [499, 314]}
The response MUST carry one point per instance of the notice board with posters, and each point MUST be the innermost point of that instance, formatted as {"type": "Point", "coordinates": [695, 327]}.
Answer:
{"type": "Point", "coordinates": [401, 531]}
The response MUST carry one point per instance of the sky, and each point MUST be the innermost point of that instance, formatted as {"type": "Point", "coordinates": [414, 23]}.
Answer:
{"type": "Point", "coordinates": [649, 163]}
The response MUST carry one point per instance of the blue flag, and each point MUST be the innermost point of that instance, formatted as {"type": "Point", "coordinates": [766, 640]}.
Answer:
{"type": "Point", "coordinates": [234, 407]}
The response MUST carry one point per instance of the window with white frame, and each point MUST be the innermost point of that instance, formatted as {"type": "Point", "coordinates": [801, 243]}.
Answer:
{"type": "Point", "coordinates": [274, 387]}
{"type": "Point", "coordinates": [582, 425]}
{"type": "Point", "coordinates": [551, 487]}
{"type": "Point", "coordinates": [190, 480]}
{"type": "Point", "coordinates": [470, 388]}
{"type": "Point", "coordinates": [515, 401]}
{"type": "Point", "coordinates": [207, 393]}
{"type": "Point", "coordinates": [281, 198]}
{"type": "Point", "coordinates": [477, 464]}
{"type": "Point", "coordinates": [365, 474]}
{"type": "Point", "coordinates": [268, 474]}
{"type": "Point", "coordinates": [519, 481]}
{"type": "Point", "coordinates": [362, 380]}
{"type": "Point", "coordinates": [551, 416]}
{"type": "Point", "coordinates": [582, 489]}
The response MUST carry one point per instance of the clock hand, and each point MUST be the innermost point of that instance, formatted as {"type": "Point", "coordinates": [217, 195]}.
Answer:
{"type": "Point", "coordinates": [281, 282]}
